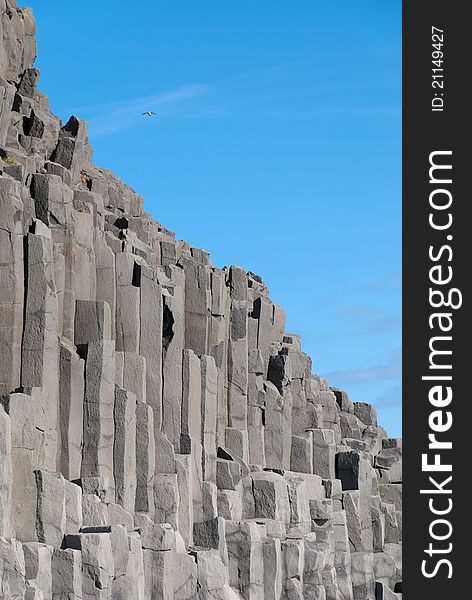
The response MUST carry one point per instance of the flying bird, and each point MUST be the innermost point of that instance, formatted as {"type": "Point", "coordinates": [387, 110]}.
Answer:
{"type": "Point", "coordinates": [149, 113]}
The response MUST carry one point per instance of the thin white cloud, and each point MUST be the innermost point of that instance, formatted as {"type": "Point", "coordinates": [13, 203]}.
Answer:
{"type": "Point", "coordinates": [383, 324]}
{"type": "Point", "coordinates": [390, 399]}
{"type": "Point", "coordinates": [112, 118]}
{"type": "Point", "coordinates": [391, 283]}
{"type": "Point", "coordinates": [300, 89]}
{"type": "Point", "coordinates": [388, 370]}
{"type": "Point", "coordinates": [355, 312]}
{"type": "Point", "coordinates": [131, 104]}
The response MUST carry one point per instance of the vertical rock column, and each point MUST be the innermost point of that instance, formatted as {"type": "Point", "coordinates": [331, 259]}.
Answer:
{"type": "Point", "coordinates": [20, 408]}
{"type": "Point", "coordinates": [150, 341]}
{"type": "Point", "coordinates": [71, 400]}
{"type": "Point", "coordinates": [11, 284]}
{"type": "Point", "coordinates": [278, 430]}
{"type": "Point", "coordinates": [260, 339]}
{"type": "Point", "coordinates": [209, 407]}
{"type": "Point", "coordinates": [53, 206]}
{"type": "Point", "coordinates": [124, 450]}
{"type": "Point", "coordinates": [66, 566]}
{"type": "Point", "coordinates": [40, 351]}
{"type": "Point", "coordinates": [191, 436]}
{"type": "Point", "coordinates": [5, 474]}
{"type": "Point", "coordinates": [145, 459]}
{"type": "Point", "coordinates": [238, 350]}
{"type": "Point", "coordinates": [173, 328]}
{"type": "Point", "coordinates": [84, 259]}
{"type": "Point", "coordinates": [105, 266]}
{"type": "Point", "coordinates": [263, 312]}
{"type": "Point", "coordinates": [128, 282]}
{"type": "Point", "coordinates": [64, 255]}
{"type": "Point", "coordinates": [92, 337]}
{"type": "Point", "coordinates": [7, 93]}
{"type": "Point", "coordinates": [72, 150]}
{"type": "Point", "coordinates": [218, 342]}
{"type": "Point", "coordinates": [197, 306]}
{"type": "Point", "coordinates": [245, 550]}
{"type": "Point", "coordinates": [301, 371]}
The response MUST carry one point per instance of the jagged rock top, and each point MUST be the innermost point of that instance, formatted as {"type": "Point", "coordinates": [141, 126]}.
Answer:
{"type": "Point", "coordinates": [17, 40]}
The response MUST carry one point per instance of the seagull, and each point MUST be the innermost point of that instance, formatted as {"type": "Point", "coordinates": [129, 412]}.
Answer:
{"type": "Point", "coordinates": [149, 113]}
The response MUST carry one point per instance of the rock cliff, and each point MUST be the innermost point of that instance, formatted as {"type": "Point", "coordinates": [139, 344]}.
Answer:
{"type": "Point", "coordinates": [161, 435]}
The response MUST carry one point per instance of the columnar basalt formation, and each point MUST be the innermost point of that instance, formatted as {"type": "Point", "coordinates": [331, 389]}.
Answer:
{"type": "Point", "coordinates": [161, 435]}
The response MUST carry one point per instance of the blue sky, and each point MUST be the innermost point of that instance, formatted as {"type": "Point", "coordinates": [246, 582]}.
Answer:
{"type": "Point", "coordinates": [277, 147]}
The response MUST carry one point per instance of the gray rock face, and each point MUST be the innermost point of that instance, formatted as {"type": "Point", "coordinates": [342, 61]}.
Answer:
{"type": "Point", "coordinates": [99, 397]}
{"type": "Point", "coordinates": [124, 449]}
{"type": "Point", "coordinates": [71, 409]}
{"type": "Point", "coordinates": [161, 435]}
{"type": "Point", "coordinates": [50, 508]}
{"type": "Point", "coordinates": [5, 474]}
{"type": "Point", "coordinates": [12, 277]}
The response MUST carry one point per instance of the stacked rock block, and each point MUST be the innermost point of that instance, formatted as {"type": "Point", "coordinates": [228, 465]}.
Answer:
{"type": "Point", "coordinates": [161, 435]}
